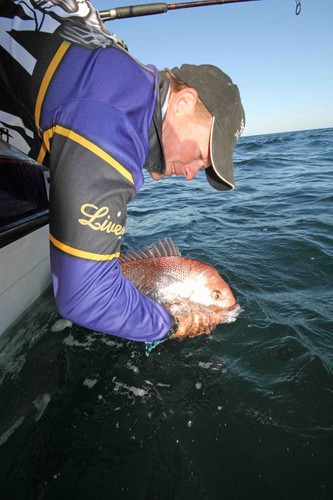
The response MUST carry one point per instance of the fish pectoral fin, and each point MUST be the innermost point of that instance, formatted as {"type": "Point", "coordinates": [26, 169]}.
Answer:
{"type": "Point", "coordinates": [179, 307]}
{"type": "Point", "coordinates": [183, 314]}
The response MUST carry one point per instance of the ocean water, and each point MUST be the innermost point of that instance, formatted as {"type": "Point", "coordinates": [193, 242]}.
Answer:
{"type": "Point", "coordinates": [243, 413]}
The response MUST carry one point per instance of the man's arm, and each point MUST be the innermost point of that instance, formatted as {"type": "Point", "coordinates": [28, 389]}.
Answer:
{"type": "Point", "coordinates": [90, 189]}
{"type": "Point", "coordinates": [97, 296]}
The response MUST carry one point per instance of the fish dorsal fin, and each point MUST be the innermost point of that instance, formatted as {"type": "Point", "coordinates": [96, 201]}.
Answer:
{"type": "Point", "coordinates": [164, 248]}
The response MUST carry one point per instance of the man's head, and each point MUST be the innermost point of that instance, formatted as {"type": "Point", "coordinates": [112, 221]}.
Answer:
{"type": "Point", "coordinates": [204, 120]}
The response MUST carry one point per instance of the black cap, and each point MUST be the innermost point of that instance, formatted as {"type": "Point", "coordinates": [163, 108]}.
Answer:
{"type": "Point", "coordinates": [221, 97]}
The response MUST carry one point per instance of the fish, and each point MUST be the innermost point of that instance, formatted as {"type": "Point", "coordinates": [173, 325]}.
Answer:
{"type": "Point", "coordinates": [191, 291]}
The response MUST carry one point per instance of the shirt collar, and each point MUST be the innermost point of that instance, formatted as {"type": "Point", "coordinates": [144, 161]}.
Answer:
{"type": "Point", "coordinates": [155, 161]}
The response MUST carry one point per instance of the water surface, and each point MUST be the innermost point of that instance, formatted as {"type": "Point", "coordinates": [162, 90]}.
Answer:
{"type": "Point", "coordinates": [245, 412]}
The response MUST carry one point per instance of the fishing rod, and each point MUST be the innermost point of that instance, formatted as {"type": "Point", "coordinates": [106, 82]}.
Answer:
{"type": "Point", "coordinates": [149, 9]}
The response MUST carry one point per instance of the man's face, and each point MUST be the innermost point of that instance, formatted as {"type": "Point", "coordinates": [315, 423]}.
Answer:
{"type": "Point", "coordinates": [185, 138]}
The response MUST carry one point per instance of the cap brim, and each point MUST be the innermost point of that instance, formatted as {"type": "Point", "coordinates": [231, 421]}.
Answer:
{"type": "Point", "coordinates": [220, 174]}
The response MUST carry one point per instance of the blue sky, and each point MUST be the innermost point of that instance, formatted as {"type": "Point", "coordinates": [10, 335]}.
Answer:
{"type": "Point", "coordinates": [282, 63]}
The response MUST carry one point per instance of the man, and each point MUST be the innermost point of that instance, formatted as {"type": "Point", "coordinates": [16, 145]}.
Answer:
{"type": "Point", "coordinates": [81, 105]}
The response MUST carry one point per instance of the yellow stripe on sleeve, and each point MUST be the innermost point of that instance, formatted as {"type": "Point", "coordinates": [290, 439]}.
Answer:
{"type": "Point", "coordinates": [47, 79]}
{"type": "Point", "coordinates": [81, 253]}
{"type": "Point", "coordinates": [88, 145]}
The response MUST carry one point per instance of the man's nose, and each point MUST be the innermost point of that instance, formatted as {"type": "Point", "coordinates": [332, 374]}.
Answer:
{"type": "Point", "coordinates": [192, 169]}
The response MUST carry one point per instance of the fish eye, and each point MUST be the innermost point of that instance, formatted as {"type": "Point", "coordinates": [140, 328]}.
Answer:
{"type": "Point", "coordinates": [216, 295]}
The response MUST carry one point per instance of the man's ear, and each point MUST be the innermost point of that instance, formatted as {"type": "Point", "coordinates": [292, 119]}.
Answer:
{"type": "Point", "coordinates": [185, 101]}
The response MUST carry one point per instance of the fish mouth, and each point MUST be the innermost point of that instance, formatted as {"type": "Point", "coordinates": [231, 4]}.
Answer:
{"type": "Point", "coordinates": [232, 312]}
{"type": "Point", "coordinates": [234, 306]}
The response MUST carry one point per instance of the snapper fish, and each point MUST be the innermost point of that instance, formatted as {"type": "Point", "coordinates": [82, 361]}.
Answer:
{"type": "Point", "coordinates": [192, 292]}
